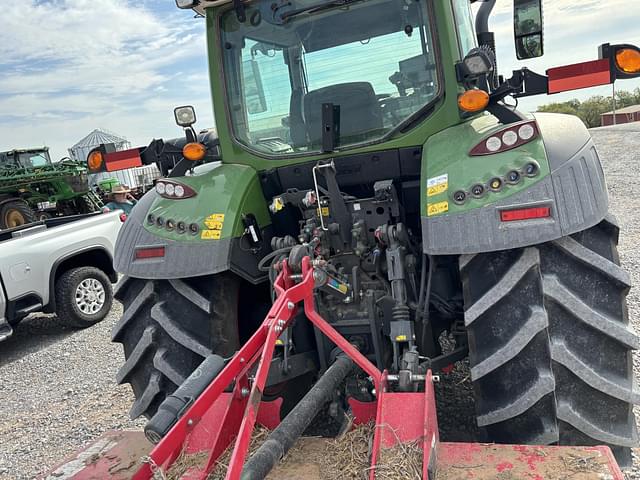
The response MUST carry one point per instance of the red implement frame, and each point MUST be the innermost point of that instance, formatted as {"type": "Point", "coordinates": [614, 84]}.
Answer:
{"type": "Point", "coordinates": [217, 417]}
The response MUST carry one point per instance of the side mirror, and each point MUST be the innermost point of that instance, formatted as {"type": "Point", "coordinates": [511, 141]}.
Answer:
{"type": "Point", "coordinates": [528, 28]}
{"type": "Point", "coordinates": [185, 116]}
{"type": "Point", "coordinates": [255, 99]}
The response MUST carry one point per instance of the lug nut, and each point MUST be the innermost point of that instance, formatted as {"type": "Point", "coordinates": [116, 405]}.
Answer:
{"type": "Point", "coordinates": [194, 228]}
{"type": "Point", "coordinates": [171, 224]}
{"type": "Point", "coordinates": [151, 219]}
{"type": "Point", "coordinates": [160, 221]}
{"type": "Point", "coordinates": [181, 227]}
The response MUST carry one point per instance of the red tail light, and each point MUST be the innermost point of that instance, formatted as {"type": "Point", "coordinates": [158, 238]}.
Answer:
{"type": "Point", "coordinates": [507, 139]}
{"type": "Point", "coordinates": [149, 252]}
{"type": "Point", "coordinates": [525, 214]}
{"type": "Point", "coordinates": [123, 217]}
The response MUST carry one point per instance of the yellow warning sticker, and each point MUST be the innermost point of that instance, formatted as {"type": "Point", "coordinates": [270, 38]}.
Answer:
{"type": "Point", "coordinates": [437, 185]}
{"type": "Point", "coordinates": [324, 211]}
{"type": "Point", "coordinates": [214, 221]}
{"type": "Point", "coordinates": [437, 208]}
{"type": "Point", "coordinates": [210, 234]}
{"type": "Point", "coordinates": [212, 225]}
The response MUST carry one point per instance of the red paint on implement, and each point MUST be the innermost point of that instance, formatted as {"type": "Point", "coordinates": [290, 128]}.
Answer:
{"type": "Point", "coordinates": [115, 455]}
{"type": "Point", "coordinates": [579, 75]}
{"type": "Point", "coordinates": [363, 412]}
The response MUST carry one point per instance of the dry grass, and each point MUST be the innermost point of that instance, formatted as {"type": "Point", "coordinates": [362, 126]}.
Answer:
{"type": "Point", "coordinates": [260, 434]}
{"type": "Point", "coordinates": [346, 457]}
{"type": "Point", "coordinates": [183, 463]}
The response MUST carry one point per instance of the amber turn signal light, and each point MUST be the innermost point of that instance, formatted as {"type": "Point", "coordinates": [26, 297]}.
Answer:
{"type": "Point", "coordinates": [194, 151]}
{"type": "Point", "coordinates": [473, 101]}
{"type": "Point", "coordinates": [95, 160]}
{"type": "Point", "coordinates": [628, 60]}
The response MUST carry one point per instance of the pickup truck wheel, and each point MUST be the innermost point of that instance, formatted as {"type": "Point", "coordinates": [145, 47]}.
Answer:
{"type": "Point", "coordinates": [83, 297]}
{"type": "Point", "coordinates": [15, 213]}
{"type": "Point", "coordinates": [168, 327]}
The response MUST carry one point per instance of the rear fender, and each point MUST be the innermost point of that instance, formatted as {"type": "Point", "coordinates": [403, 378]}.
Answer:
{"type": "Point", "coordinates": [224, 195]}
{"type": "Point", "coordinates": [570, 181]}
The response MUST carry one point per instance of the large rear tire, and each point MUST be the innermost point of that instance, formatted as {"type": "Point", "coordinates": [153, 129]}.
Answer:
{"type": "Point", "coordinates": [168, 327]}
{"type": "Point", "coordinates": [15, 213]}
{"type": "Point", "coordinates": [550, 343]}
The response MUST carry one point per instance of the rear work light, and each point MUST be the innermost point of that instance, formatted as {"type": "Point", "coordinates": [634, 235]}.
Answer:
{"type": "Point", "coordinates": [525, 214]}
{"type": "Point", "coordinates": [507, 139]}
{"type": "Point", "coordinates": [174, 190]}
{"type": "Point", "coordinates": [149, 252]}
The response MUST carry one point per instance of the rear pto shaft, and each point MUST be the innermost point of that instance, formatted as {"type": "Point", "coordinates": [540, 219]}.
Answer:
{"type": "Point", "coordinates": [285, 435]}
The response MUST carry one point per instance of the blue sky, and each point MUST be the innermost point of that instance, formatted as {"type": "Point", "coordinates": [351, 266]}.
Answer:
{"type": "Point", "coordinates": [69, 66]}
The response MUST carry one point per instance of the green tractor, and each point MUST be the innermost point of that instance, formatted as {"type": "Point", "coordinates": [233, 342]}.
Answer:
{"type": "Point", "coordinates": [33, 188]}
{"type": "Point", "coordinates": [373, 137]}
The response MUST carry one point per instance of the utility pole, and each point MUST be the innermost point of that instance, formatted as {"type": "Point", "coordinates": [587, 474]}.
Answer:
{"type": "Point", "coordinates": [614, 103]}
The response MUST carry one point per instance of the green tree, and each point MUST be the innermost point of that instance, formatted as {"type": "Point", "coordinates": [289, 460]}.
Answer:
{"type": "Point", "coordinates": [564, 107]}
{"type": "Point", "coordinates": [590, 110]}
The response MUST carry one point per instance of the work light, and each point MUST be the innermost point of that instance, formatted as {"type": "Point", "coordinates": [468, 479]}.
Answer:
{"type": "Point", "coordinates": [185, 116]}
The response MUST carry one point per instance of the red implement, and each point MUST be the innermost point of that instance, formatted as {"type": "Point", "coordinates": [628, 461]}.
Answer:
{"type": "Point", "coordinates": [220, 420]}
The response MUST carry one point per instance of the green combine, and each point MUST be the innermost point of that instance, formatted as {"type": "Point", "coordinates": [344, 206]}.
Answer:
{"type": "Point", "coordinates": [33, 188]}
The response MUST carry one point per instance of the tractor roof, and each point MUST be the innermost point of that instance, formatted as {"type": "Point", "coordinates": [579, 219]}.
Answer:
{"type": "Point", "coordinates": [26, 150]}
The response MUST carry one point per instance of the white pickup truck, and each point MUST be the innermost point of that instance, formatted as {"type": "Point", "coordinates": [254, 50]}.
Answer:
{"type": "Point", "coordinates": [60, 265]}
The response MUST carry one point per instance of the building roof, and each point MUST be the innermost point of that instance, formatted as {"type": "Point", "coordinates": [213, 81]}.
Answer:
{"type": "Point", "coordinates": [98, 137]}
{"type": "Point", "coordinates": [631, 109]}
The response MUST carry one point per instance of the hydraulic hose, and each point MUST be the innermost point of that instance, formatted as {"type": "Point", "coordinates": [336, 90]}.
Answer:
{"type": "Point", "coordinates": [285, 435]}
{"type": "Point", "coordinates": [172, 408]}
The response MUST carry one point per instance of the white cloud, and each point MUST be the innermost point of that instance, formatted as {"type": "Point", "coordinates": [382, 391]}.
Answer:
{"type": "Point", "coordinates": [69, 66]}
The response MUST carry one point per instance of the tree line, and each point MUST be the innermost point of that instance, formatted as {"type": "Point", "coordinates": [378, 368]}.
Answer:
{"type": "Point", "coordinates": [590, 110]}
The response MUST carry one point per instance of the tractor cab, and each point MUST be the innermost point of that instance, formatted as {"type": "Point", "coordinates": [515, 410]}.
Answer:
{"type": "Point", "coordinates": [25, 158]}
{"type": "Point", "coordinates": [300, 79]}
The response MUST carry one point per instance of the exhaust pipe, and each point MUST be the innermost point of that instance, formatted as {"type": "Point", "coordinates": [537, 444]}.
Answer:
{"type": "Point", "coordinates": [486, 37]}
{"type": "Point", "coordinates": [174, 406]}
{"type": "Point", "coordinates": [295, 423]}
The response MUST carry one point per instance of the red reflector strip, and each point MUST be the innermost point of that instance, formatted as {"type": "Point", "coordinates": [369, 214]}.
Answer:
{"type": "Point", "coordinates": [579, 75]}
{"type": "Point", "coordinates": [154, 252]}
{"type": "Point", "coordinates": [122, 160]}
{"type": "Point", "coordinates": [525, 214]}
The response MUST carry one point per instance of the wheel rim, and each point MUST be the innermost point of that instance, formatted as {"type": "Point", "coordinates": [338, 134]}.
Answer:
{"type": "Point", "coordinates": [90, 296]}
{"type": "Point", "coordinates": [14, 218]}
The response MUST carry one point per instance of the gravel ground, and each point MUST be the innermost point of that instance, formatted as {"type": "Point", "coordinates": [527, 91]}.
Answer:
{"type": "Point", "coordinates": [55, 397]}
{"type": "Point", "coordinates": [57, 388]}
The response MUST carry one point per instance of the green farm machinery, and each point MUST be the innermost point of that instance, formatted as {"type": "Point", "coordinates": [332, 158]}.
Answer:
{"type": "Point", "coordinates": [33, 188]}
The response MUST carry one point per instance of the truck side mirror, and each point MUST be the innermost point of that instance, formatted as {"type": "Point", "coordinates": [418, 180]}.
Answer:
{"type": "Point", "coordinates": [528, 28]}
